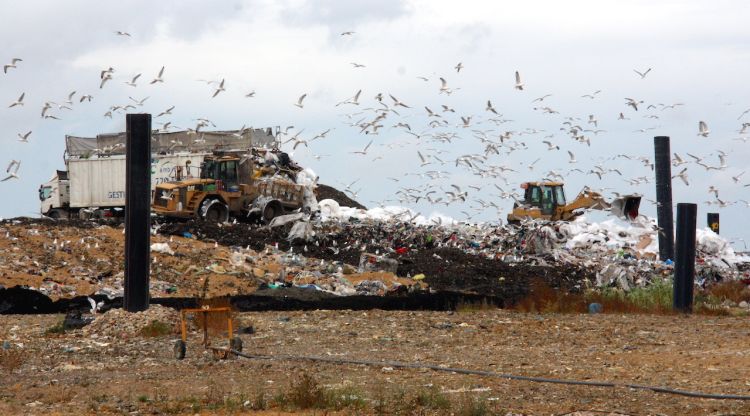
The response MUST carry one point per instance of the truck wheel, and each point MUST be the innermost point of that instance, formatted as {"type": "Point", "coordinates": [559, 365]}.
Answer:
{"type": "Point", "coordinates": [57, 214]}
{"type": "Point", "coordinates": [179, 349]}
{"type": "Point", "coordinates": [236, 344]}
{"type": "Point", "coordinates": [214, 211]}
{"type": "Point", "coordinates": [271, 210]}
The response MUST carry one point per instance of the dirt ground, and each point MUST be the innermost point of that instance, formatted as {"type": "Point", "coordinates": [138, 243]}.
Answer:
{"type": "Point", "coordinates": [73, 373]}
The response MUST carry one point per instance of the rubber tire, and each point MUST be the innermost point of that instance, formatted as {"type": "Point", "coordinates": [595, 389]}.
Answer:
{"type": "Point", "coordinates": [236, 344]}
{"type": "Point", "coordinates": [54, 214]}
{"type": "Point", "coordinates": [179, 349]}
{"type": "Point", "coordinates": [214, 212]}
{"type": "Point", "coordinates": [271, 211]}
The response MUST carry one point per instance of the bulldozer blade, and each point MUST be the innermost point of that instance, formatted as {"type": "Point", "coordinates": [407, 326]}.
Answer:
{"type": "Point", "coordinates": [626, 207]}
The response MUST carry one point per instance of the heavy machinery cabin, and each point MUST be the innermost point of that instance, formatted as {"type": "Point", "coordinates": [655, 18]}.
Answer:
{"type": "Point", "coordinates": [228, 185]}
{"type": "Point", "coordinates": [546, 201]}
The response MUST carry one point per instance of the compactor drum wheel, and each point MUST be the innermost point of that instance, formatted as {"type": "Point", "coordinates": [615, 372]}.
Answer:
{"type": "Point", "coordinates": [214, 211]}
{"type": "Point", "coordinates": [271, 211]}
{"type": "Point", "coordinates": [179, 349]}
{"type": "Point", "coordinates": [236, 344]}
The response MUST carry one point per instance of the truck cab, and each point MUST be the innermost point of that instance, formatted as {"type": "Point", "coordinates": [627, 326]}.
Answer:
{"type": "Point", "coordinates": [546, 196]}
{"type": "Point", "coordinates": [54, 196]}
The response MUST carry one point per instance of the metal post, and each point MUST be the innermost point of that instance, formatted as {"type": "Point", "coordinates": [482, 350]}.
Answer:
{"type": "Point", "coordinates": [663, 170]}
{"type": "Point", "coordinates": [713, 221]}
{"type": "Point", "coordinates": [137, 212]}
{"type": "Point", "coordinates": [684, 266]}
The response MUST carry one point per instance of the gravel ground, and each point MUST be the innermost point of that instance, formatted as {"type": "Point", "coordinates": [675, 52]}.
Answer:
{"type": "Point", "coordinates": [102, 370]}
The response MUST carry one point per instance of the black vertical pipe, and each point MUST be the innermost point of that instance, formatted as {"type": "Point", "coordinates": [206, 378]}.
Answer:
{"type": "Point", "coordinates": [137, 212]}
{"type": "Point", "coordinates": [713, 221]}
{"type": "Point", "coordinates": [684, 265]}
{"type": "Point", "coordinates": [663, 170]}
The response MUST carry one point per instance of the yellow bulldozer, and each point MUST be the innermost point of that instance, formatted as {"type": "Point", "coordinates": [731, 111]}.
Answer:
{"type": "Point", "coordinates": [228, 186]}
{"type": "Point", "coordinates": [546, 201]}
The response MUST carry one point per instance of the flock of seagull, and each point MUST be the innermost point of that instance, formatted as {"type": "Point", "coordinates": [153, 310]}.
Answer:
{"type": "Point", "coordinates": [440, 136]}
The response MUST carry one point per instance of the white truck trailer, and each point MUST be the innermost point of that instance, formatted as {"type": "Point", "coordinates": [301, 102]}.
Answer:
{"type": "Point", "coordinates": [93, 185]}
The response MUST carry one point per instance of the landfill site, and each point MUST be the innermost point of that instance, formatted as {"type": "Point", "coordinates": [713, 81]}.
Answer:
{"type": "Point", "coordinates": [328, 307]}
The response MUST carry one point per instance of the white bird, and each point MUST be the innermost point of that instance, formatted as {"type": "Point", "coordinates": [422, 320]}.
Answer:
{"type": "Point", "coordinates": [443, 85]}
{"type": "Point", "coordinates": [139, 102]}
{"type": "Point", "coordinates": [13, 166]}
{"type": "Point", "coordinates": [551, 146]}
{"type": "Point", "coordinates": [633, 103]}
{"type": "Point", "coordinates": [622, 117]}
{"type": "Point", "coordinates": [251, 94]}
{"type": "Point", "coordinates": [95, 307]}
{"type": "Point", "coordinates": [159, 77]}
{"type": "Point", "coordinates": [592, 95]}
{"type": "Point", "coordinates": [737, 178]}
{"type": "Point", "coordinates": [18, 102]}
{"type": "Point", "coordinates": [683, 175]}
{"type": "Point", "coordinates": [642, 74]}
{"type": "Point", "coordinates": [24, 137]}
{"type": "Point", "coordinates": [86, 97]}
{"type": "Point", "coordinates": [396, 102]}
{"type": "Point", "coordinates": [165, 112]}
{"type": "Point", "coordinates": [572, 157]}
{"type": "Point", "coordinates": [540, 99]}
{"type": "Point", "coordinates": [363, 151]}
{"type": "Point", "coordinates": [490, 107]}
{"type": "Point", "coordinates": [12, 64]}
{"type": "Point", "coordinates": [219, 89]}
{"type": "Point", "coordinates": [347, 33]}
{"type": "Point", "coordinates": [703, 129]}
{"type": "Point", "coordinates": [356, 65]}
{"type": "Point", "coordinates": [132, 81]}
{"type": "Point", "coordinates": [121, 33]}
{"type": "Point", "coordinates": [459, 67]}
{"type": "Point", "coordinates": [519, 84]}
{"type": "Point", "coordinates": [299, 101]}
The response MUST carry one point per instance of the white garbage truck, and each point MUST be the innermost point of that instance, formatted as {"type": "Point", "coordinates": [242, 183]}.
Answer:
{"type": "Point", "coordinates": [93, 183]}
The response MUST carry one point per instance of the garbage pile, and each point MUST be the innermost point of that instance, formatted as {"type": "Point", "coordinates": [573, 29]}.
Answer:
{"type": "Point", "coordinates": [118, 323]}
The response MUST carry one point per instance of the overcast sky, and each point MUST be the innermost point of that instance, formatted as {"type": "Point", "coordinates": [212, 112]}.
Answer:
{"type": "Point", "coordinates": [697, 52]}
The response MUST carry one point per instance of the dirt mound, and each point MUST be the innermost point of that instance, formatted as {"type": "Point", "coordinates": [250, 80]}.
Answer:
{"type": "Point", "coordinates": [120, 323]}
{"type": "Point", "coordinates": [327, 192]}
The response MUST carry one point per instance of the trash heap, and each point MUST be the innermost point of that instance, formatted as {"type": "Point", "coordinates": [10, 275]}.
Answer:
{"type": "Point", "coordinates": [118, 323]}
{"type": "Point", "coordinates": [618, 254]}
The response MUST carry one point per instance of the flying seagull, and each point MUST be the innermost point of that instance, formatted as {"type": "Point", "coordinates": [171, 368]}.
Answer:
{"type": "Point", "coordinates": [159, 77]}
{"type": "Point", "coordinates": [642, 74]}
{"type": "Point", "coordinates": [165, 112]}
{"type": "Point", "coordinates": [25, 138]}
{"type": "Point", "coordinates": [18, 102]}
{"type": "Point", "coordinates": [219, 89]}
{"type": "Point", "coordinates": [459, 67]}
{"type": "Point", "coordinates": [703, 129]}
{"type": "Point", "coordinates": [519, 84]}
{"type": "Point", "coordinates": [132, 81]}
{"type": "Point", "coordinates": [14, 174]}
{"type": "Point", "coordinates": [12, 64]}
{"type": "Point", "coordinates": [121, 33]}
{"type": "Point", "coordinates": [299, 101]}
{"type": "Point", "coordinates": [347, 33]}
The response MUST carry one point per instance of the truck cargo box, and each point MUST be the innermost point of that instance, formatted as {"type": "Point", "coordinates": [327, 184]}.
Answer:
{"type": "Point", "coordinates": [100, 182]}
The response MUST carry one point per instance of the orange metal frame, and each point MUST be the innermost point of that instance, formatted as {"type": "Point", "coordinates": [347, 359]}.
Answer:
{"type": "Point", "coordinates": [205, 311]}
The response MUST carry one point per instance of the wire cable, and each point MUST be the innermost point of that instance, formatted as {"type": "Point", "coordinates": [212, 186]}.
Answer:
{"type": "Point", "coordinates": [398, 364]}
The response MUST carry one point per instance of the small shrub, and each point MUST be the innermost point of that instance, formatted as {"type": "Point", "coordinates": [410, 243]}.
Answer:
{"type": "Point", "coordinates": [259, 402]}
{"type": "Point", "coordinates": [732, 290]}
{"type": "Point", "coordinates": [57, 329]}
{"type": "Point", "coordinates": [432, 399]}
{"type": "Point", "coordinates": [305, 393]}
{"type": "Point", "coordinates": [472, 406]}
{"type": "Point", "coordinates": [11, 360]}
{"type": "Point", "coordinates": [156, 329]}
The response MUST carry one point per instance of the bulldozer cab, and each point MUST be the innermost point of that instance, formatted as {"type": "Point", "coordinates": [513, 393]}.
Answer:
{"type": "Point", "coordinates": [224, 169]}
{"type": "Point", "coordinates": [545, 196]}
